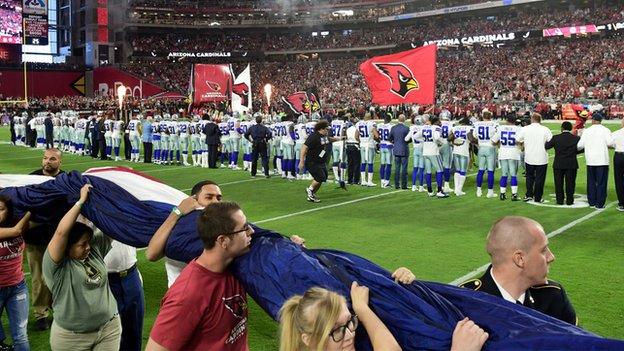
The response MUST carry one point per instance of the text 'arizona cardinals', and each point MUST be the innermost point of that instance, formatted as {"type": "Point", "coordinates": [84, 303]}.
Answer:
{"type": "Point", "coordinates": [404, 77]}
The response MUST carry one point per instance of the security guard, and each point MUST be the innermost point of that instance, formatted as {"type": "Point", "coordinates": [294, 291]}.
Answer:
{"type": "Point", "coordinates": [520, 257]}
{"type": "Point", "coordinates": [259, 135]}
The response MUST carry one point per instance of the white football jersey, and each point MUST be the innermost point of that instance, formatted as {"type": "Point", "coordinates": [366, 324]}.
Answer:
{"type": "Point", "coordinates": [507, 136]}
{"type": "Point", "coordinates": [484, 131]}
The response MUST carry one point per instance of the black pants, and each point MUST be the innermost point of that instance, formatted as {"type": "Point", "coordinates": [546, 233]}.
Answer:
{"type": "Point", "coordinates": [535, 178]}
{"type": "Point", "coordinates": [13, 136]}
{"type": "Point", "coordinates": [49, 141]}
{"type": "Point", "coordinates": [618, 176]}
{"type": "Point", "coordinates": [567, 176]}
{"type": "Point", "coordinates": [95, 147]}
{"type": "Point", "coordinates": [147, 151]}
{"type": "Point", "coordinates": [212, 155]}
{"type": "Point", "coordinates": [400, 166]}
{"type": "Point", "coordinates": [127, 147]}
{"type": "Point", "coordinates": [259, 149]}
{"type": "Point", "coordinates": [597, 177]}
{"type": "Point", "coordinates": [102, 147]}
{"type": "Point", "coordinates": [354, 159]}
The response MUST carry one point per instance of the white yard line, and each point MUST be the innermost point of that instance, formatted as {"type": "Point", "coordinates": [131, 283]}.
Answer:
{"type": "Point", "coordinates": [326, 207]}
{"type": "Point", "coordinates": [232, 182]}
{"type": "Point", "coordinates": [552, 234]}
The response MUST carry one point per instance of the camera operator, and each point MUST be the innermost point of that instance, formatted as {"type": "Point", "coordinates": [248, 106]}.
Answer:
{"type": "Point", "coordinates": [259, 136]}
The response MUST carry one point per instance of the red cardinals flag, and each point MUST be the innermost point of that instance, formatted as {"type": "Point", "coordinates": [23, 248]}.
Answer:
{"type": "Point", "coordinates": [404, 77]}
{"type": "Point", "coordinates": [211, 83]}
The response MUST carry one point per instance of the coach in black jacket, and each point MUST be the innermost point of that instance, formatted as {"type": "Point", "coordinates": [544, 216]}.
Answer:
{"type": "Point", "coordinates": [565, 165]}
{"type": "Point", "coordinates": [213, 139]}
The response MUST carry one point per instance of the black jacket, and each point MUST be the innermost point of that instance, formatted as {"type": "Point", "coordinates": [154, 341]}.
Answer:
{"type": "Point", "coordinates": [565, 150]}
{"type": "Point", "coordinates": [213, 134]}
{"type": "Point", "coordinates": [549, 298]}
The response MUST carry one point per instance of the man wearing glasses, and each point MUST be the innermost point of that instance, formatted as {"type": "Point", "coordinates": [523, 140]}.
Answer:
{"type": "Point", "coordinates": [206, 285]}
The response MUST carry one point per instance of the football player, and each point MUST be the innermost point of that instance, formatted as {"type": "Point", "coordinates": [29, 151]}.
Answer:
{"type": "Point", "coordinates": [368, 136]}
{"type": "Point", "coordinates": [459, 136]}
{"type": "Point", "coordinates": [483, 132]}
{"type": "Point", "coordinates": [509, 157]}
{"type": "Point", "coordinates": [385, 149]}
{"type": "Point", "coordinates": [418, 171]}
{"type": "Point", "coordinates": [431, 137]}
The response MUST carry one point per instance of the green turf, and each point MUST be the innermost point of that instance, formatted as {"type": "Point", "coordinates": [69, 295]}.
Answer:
{"type": "Point", "coordinates": [439, 239]}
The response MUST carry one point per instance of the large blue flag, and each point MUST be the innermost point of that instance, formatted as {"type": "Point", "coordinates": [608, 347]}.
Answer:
{"type": "Point", "coordinates": [129, 207]}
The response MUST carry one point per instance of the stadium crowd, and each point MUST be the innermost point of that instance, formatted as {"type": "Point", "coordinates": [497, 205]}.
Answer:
{"type": "Point", "coordinates": [552, 72]}
{"type": "Point", "coordinates": [271, 12]}
{"type": "Point", "coordinates": [429, 28]}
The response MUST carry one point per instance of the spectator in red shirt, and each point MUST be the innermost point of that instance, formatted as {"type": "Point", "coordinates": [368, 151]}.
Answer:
{"type": "Point", "coordinates": [206, 307]}
{"type": "Point", "coordinates": [13, 289]}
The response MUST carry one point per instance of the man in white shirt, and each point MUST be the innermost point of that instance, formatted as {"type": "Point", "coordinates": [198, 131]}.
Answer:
{"type": "Point", "coordinates": [618, 165]}
{"type": "Point", "coordinates": [596, 141]}
{"type": "Point", "coordinates": [125, 284]}
{"type": "Point", "coordinates": [534, 136]}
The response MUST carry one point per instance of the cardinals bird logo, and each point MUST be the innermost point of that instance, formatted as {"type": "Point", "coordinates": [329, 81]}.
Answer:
{"type": "Point", "coordinates": [298, 102]}
{"type": "Point", "coordinates": [236, 304]}
{"type": "Point", "coordinates": [401, 78]}
{"type": "Point", "coordinates": [242, 90]}
{"type": "Point", "coordinates": [214, 86]}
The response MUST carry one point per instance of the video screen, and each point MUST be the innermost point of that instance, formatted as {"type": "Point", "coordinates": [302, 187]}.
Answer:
{"type": "Point", "coordinates": [11, 22]}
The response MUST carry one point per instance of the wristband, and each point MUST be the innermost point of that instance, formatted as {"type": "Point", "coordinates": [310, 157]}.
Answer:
{"type": "Point", "coordinates": [78, 203]}
{"type": "Point", "coordinates": [177, 211]}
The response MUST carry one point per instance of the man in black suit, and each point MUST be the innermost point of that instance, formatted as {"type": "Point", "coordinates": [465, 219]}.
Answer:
{"type": "Point", "coordinates": [565, 165]}
{"type": "Point", "coordinates": [49, 131]}
{"type": "Point", "coordinates": [520, 257]}
{"type": "Point", "coordinates": [213, 139]}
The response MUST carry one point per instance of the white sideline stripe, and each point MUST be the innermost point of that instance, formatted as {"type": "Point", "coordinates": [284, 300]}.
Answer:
{"type": "Point", "coordinates": [228, 183]}
{"type": "Point", "coordinates": [552, 234]}
{"type": "Point", "coordinates": [326, 207]}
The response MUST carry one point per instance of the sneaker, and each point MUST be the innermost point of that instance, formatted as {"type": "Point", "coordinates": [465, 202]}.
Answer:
{"type": "Point", "coordinates": [527, 198]}
{"type": "Point", "coordinates": [421, 189]}
{"type": "Point", "coordinates": [371, 184]}
{"type": "Point", "coordinates": [491, 195]}
{"type": "Point", "coordinates": [442, 195]}
{"type": "Point", "coordinates": [431, 194]}
{"type": "Point", "coordinates": [459, 193]}
{"type": "Point", "coordinates": [514, 197]}
{"type": "Point", "coordinates": [600, 208]}
{"type": "Point", "coordinates": [502, 196]}
{"type": "Point", "coordinates": [5, 347]}
{"type": "Point", "coordinates": [620, 208]}
{"type": "Point", "coordinates": [414, 188]}
{"type": "Point", "coordinates": [309, 193]}
{"type": "Point", "coordinates": [479, 192]}
{"type": "Point", "coordinates": [313, 199]}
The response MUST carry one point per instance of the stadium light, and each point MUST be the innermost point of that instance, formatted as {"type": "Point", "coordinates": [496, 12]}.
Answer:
{"type": "Point", "coordinates": [121, 93]}
{"type": "Point", "coordinates": [268, 91]}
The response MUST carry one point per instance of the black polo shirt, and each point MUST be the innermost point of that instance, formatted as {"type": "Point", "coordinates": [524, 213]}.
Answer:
{"type": "Point", "coordinates": [319, 148]}
{"type": "Point", "coordinates": [43, 233]}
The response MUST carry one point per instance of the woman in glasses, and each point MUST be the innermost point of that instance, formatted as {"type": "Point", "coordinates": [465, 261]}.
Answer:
{"type": "Point", "coordinates": [320, 320]}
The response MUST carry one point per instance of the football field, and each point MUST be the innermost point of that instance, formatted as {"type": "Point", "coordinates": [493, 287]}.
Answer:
{"type": "Point", "coordinates": [440, 240]}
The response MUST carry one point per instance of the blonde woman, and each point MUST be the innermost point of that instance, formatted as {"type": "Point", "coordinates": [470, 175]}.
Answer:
{"type": "Point", "coordinates": [321, 321]}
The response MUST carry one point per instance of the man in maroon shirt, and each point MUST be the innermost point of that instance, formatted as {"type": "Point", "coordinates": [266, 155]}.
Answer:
{"type": "Point", "coordinates": [206, 307]}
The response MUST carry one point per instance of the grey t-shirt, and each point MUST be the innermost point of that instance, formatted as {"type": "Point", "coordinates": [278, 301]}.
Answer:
{"type": "Point", "coordinates": [81, 297]}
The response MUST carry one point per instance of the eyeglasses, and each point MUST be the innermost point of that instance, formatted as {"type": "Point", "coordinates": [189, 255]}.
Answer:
{"type": "Point", "coordinates": [338, 333]}
{"type": "Point", "coordinates": [246, 228]}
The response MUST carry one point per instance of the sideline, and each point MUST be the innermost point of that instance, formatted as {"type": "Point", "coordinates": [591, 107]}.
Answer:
{"type": "Point", "coordinates": [326, 207]}
{"type": "Point", "coordinates": [552, 234]}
